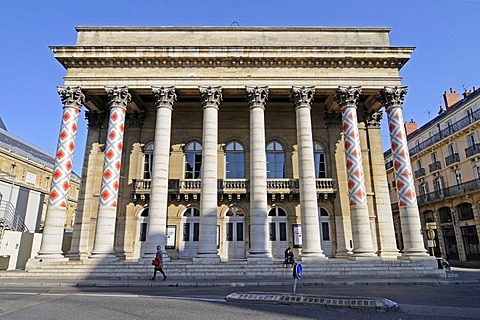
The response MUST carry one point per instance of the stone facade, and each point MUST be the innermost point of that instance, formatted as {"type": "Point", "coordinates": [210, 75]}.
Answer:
{"type": "Point", "coordinates": [234, 143]}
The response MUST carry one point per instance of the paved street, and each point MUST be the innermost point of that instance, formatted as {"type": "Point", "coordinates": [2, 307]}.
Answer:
{"type": "Point", "coordinates": [455, 300]}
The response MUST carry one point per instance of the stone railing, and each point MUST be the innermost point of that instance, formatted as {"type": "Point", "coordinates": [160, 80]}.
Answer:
{"type": "Point", "coordinates": [142, 187]}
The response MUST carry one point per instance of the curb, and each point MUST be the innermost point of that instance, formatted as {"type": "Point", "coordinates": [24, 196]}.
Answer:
{"type": "Point", "coordinates": [372, 303]}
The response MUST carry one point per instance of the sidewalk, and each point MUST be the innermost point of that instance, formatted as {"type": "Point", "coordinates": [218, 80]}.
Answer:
{"type": "Point", "coordinates": [465, 276]}
{"type": "Point", "coordinates": [459, 276]}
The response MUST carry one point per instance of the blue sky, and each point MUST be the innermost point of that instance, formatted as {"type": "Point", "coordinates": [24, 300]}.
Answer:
{"type": "Point", "coordinates": [444, 32]}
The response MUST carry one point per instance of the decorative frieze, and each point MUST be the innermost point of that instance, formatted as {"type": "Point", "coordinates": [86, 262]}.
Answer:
{"type": "Point", "coordinates": [268, 62]}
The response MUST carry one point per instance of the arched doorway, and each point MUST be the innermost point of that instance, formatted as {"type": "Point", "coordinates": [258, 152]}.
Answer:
{"type": "Point", "coordinates": [190, 233]}
{"type": "Point", "coordinates": [278, 222]}
{"type": "Point", "coordinates": [325, 234]}
{"type": "Point", "coordinates": [142, 224]}
{"type": "Point", "coordinates": [234, 245]}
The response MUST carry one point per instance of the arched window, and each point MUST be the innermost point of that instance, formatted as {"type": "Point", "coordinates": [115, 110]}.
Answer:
{"type": "Point", "coordinates": [235, 161]}
{"type": "Point", "coordinates": [275, 160]}
{"type": "Point", "coordinates": [191, 212]}
{"type": "Point", "coordinates": [465, 211]}
{"type": "Point", "coordinates": [319, 156]}
{"type": "Point", "coordinates": [428, 216]}
{"type": "Point", "coordinates": [445, 215]}
{"type": "Point", "coordinates": [277, 212]}
{"type": "Point", "coordinates": [148, 160]}
{"type": "Point", "coordinates": [193, 160]}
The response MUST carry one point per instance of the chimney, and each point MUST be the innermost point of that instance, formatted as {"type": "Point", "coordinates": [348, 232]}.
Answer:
{"type": "Point", "coordinates": [410, 127]}
{"type": "Point", "coordinates": [466, 93]}
{"type": "Point", "coordinates": [450, 98]}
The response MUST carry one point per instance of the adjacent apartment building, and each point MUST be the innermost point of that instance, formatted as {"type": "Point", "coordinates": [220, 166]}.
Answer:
{"type": "Point", "coordinates": [445, 158]}
{"type": "Point", "coordinates": [25, 178]}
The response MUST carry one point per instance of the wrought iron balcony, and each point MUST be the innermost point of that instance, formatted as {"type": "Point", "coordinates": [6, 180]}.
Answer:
{"type": "Point", "coordinates": [141, 187]}
{"type": "Point", "coordinates": [435, 166]}
{"type": "Point", "coordinates": [451, 159]}
{"type": "Point", "coordinates": [472, 150]}
{"type": "Point", "coordinates": [453, 191]}
{"type": "Point", "coordinates": [419, 173]}
{"type": "Point", "coordinates": [454, 128]}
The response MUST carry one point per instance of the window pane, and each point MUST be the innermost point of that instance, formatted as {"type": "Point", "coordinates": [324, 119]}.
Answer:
{"type": "Point", "coordinates": [196, 231]}
{"type": "Point", "coordinates": [229, 231]}
{"type": "Point", "coordinates": [143, 232]}
{"type": "Point", "coordinates": [186, 232]}
{"type": "Point", "coordinates": [325, 231]}
{"type": "Point", "coordinates": [239, 231]}
{"type": "Point", "coordinates": [273, 232]}
{"type": "Point", "coordinates": [283, 231]}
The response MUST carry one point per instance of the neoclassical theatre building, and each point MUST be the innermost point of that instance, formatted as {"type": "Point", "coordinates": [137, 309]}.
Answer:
{"type": "Point", "coordinates": [222, 143]}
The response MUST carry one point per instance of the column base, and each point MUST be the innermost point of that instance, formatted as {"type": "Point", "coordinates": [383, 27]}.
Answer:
{"type": "Point", "coordinates": [206, 258]}
{"type": "Point", "coordinates": [390, 254]}
{"type": "Point", "coordinates": [259, 257]}
{"type": "Point", "coordinates": [313, 258]}
{"type": "Point", "coordinates": [40, 261]}
{"type": "Point", "coordinates": [416, 256]}
{"type": "Point", "coordinates": [364, 258]}
{"type": "Point", "coordinates": [104, 256]}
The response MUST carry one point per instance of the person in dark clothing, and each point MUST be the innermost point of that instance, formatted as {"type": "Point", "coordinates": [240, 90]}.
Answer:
{"type": "Point", "coordinates": [289, 258]}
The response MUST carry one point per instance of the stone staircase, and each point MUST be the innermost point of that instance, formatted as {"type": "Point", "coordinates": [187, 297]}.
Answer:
{"type": "Point", "coordinates": [232, 270]}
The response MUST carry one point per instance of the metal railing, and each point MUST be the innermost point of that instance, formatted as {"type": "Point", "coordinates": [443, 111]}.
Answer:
{"type": "Point", "coordinates": [419, 173]}
{"type": "Point", "coordinates": [435, 166]}
{"type": "Point", "coordinates": [472, 150]}
{"type": "Point", "coordinates": [445, 132]}
{"type": "Point", "coordinates": [10, 219]}
{"type": "Point", "coordinates": [451, 159]}
{"type": "Point", "coordinates": [460, 189]}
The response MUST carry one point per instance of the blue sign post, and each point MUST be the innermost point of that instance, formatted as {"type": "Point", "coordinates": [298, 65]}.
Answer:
{"type": "Point", "coordinates": [297, 275]}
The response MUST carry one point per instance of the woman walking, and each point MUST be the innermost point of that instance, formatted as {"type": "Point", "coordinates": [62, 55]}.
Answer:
{"type": "Point", "coordinates": [158, 264]}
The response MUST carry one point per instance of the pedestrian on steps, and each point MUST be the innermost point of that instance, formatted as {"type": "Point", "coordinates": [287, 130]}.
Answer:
{"type": "Point", "coordinates": [158, 264]}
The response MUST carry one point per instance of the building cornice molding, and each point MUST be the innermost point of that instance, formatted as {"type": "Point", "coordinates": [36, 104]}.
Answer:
{"type": "Point", "coordinates": [232, 57]}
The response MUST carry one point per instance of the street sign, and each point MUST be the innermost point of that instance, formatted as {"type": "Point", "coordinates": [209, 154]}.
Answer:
{"type": "Point", "coordinates": [297, 271]}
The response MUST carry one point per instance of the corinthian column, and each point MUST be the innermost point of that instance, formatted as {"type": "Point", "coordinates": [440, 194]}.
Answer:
{"type": "Point", "coordinates": [260, 245]}
{"type": "Point", "coordinates": [407, 199]}
{"type": "Point", "coordinates": [165, 98]}
{"type": "Point", "coordinates": [51, 246]}
{"type": "Point", "coordinates": [105, 231]}
{"type": "Point", "coordinates": [347, 98]}
{"type": "Point", "coordinates": [207, 250]}
{"type": "Point", "coordinates": [302, 98]}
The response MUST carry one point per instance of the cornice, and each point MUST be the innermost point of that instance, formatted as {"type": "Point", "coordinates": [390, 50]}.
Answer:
{"type": "Point", "coordinates": [231, 28]}
{"type": "Point", "coordinates": [232, 57]}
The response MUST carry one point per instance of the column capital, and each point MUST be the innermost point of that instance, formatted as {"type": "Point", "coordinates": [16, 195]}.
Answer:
{"type": "Point", "coordinates": [210, 96]}
{"type": "Point", "coordinates": [165, 97]}
{"type": "Point", "coordinates": [302, 96]}
{"type": "Point", "coordinates": [95, 119]}
{"type": "Point", "coordinates": [348, 96]}
{"type": "Point", "coordinates": [118, 97]}
{"type": "Point", "coordinates": [393, 96]}
{"type": "Point", "coordinates": [372, 119]}
{"type": "Point", "coordinates": [256, 96]}
{"type": "Point", "coordinates": [72, 97]}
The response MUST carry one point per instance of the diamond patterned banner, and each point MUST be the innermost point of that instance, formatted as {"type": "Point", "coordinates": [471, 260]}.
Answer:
{"type": "Point", "coordinates": [401, 158]}
{"type": "Point", "coordinates": [66, 146]}
{"type": "Point", "coordinates": [113, 157]}
{"type": "Point", "coordinates": [355, 175]}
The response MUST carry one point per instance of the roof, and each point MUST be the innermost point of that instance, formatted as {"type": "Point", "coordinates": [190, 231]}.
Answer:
{"type": "Point", "coordinates": [25, 149]}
